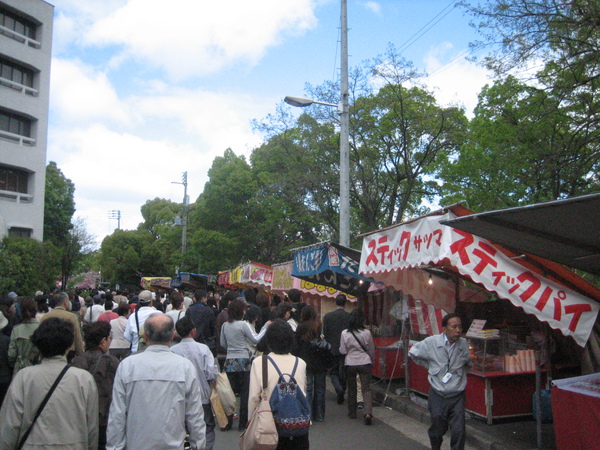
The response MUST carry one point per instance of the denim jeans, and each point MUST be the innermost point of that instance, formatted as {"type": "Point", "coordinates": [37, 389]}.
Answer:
{"type": "Point", "coordinates": [338, 374]}
{"type": "Point", "coordinates": [315, 394]}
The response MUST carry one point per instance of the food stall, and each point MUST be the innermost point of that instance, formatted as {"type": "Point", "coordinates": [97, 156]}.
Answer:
{"type": "Point", "coordinates": [457, 271]}
{"type": "Point", "coordinates": [156, 283]}
{"type": "Point", "coordinates": [335, 267]}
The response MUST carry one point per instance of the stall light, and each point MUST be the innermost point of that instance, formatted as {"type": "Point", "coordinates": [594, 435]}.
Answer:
{"type": "Point", "coordinates": [430, 280]}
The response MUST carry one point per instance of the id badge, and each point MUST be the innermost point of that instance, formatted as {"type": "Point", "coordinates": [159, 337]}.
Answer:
{"type": "Point", "coordinates": [446, 378]}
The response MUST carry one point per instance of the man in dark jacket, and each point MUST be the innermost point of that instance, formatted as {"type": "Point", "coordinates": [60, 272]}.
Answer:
{"type": "Point", "coordinates": [204, 320]}
{"type": "Point", "coordinates": [333, 324]}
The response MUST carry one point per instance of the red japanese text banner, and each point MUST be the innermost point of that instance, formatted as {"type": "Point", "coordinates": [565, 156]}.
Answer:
{"type": "Point", "coordinates": [426, 241]}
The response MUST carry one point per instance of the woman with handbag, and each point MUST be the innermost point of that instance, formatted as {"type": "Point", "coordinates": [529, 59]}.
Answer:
{"type": "Point", "coordinates": [316, 352]}
{"type": "Point", "coordinates": [236, 334]}
{"type": "Point", "coordinates": [357, 344]}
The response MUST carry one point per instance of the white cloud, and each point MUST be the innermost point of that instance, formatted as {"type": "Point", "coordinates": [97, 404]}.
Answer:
{"type": "Point", "coordinates": [373, 7]}
{"type": "Point", "coordinates": [80, 94]}
{"type": "Point", "coordinates": [190, 38]}
{"type": "Point", "coordinates": [456, 80]}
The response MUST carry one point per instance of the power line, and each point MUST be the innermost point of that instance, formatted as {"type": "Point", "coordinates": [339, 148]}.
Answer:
{"type": "Point", "coordinates": [428, 26]}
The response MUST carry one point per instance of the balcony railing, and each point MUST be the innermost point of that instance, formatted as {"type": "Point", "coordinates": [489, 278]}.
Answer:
{"type": "Point", "coordinates": [16, 197]}
{"type": "Point", "coordinates": [20, 37]}
{"type": "Point", "coordinates": [23, 141]}
{"type": "Point", "coordinates": [19, 87]}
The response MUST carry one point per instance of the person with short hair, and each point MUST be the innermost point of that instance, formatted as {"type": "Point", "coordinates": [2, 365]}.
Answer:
{"type": "Point", "coordinates": [156, 396]}
{"type": "Point", "coordinates": [119, 346]}
{"type": "Point", "coordinates": [448, 360]}
{"type": "Point", "coordinates": [334, 323]}
{"type": "Point", "coordinates": [102, 366]}
{"type": "Point", "coordinates": [62, 310]}
{"type": "Point", "coordinates": [21, 351]}
{"type": "Point", "coordinates": [70, 418]}
{"type": "Point", "coordinates": [280, 339]}
{"type": "Point", "coordinates": [204, 320]}
{"type": "Point", "coordinates": [108, 313]}
{"type": "Point", "coordinates": [204, 362]}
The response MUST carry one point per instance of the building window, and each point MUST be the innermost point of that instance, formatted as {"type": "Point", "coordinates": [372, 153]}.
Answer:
{"type": "Point", "coordinates": [19, 232]}
{"type": "Point", "coordinates": [14, 180]}
{"type": "Point", "coordinates": [14, 124]}
{"type": "Point", "coordinates": [16, 27]}
{"type": "Point", "coordinates": [16, 76]}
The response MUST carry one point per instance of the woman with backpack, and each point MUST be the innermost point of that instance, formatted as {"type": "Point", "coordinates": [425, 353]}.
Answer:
{"type": "Point", "coordinates": [21, 351]}
{"type": "Point", "coordinates": [280, 340]}
{"type": "Point", "coordinates": [318, 360]}
{"type": "Point", "coordinates": [357, 344]}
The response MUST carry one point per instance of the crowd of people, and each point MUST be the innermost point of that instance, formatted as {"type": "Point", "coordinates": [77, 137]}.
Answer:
{"type": "Point", "coordinates": [139, 369]}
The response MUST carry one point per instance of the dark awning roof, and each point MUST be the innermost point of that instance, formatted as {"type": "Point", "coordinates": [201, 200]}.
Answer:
{"type": "Point", "coordinates": [565, 231]}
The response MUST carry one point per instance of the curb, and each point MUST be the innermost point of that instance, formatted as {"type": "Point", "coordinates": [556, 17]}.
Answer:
{"type": "Point", "coordinates": [406, 406]}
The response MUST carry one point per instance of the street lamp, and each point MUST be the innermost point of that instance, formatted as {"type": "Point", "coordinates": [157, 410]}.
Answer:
{"type": "Point", "coordinates": [344, 111]}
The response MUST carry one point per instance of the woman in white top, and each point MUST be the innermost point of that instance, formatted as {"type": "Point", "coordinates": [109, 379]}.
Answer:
{"type": "Point", "coordinates": [236, 334]}
{"type": "Point", "coordinates": [280, 340]}
{"type": "Point", "coordinates": [120, 347]}
{"type": "Point", "coordinates": [357, 344]}
{"type": "Point", "coordinates": [177, 310]}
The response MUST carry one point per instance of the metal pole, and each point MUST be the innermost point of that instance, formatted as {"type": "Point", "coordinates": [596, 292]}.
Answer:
{"type": "Point", "coordinates": [344, 133]}
{"type": "Point", "coordinates": [538, 398]}
{"type": "Point", "coordinates": [184, 215]}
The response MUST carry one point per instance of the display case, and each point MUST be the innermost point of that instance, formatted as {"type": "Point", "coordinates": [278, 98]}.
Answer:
{"type": "Point", "coordinates": [487, 353]}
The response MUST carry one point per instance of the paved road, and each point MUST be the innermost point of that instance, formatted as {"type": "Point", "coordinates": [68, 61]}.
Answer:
{"type": "Point", "coordinates": [390, 430]}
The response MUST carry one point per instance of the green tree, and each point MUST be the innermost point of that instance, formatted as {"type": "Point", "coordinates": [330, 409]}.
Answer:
{"type": "Point", "coordinates": [225, 205]}
{"type": "Point", "coordinates": [27, 265]}
{"type": "Point", "coordinates": [59, 205]}
{"type": "Point", "coordinates": [126, 256]}
{"type": "Point", "coordinates": [522, 148]}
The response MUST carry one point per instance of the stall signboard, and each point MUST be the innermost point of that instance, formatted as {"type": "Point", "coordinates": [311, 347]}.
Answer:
{"type": "Point", "coordinates": [284, 281]}
{"type": "Point", "coordinates": [328, 265]}
{"type": "Point", "coordinates": [426, 241]}
{"type": "Point", "coordinates": [156, 283]}
{"type": "Point", "coordinates": [255, 274]}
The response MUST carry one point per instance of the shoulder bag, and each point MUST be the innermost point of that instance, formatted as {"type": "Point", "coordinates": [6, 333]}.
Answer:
{"type": "Point", "coordinates": [42, 405]}
{"type": "Point", "coordinates": [362, 346]}
{"type": "Point", "coordinates": [261, 433]}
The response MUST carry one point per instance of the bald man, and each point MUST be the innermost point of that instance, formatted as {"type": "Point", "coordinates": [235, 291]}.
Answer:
{"type": "Point", "coordinates": [156, 396]}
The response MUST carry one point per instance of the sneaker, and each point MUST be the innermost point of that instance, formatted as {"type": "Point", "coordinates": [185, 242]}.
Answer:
{"type": "Point", "coordinates": [368, 419]}
{"type": "Point", "coordinates": [361, 405]}
{"type": "Point", "coordinates": [340, 398]}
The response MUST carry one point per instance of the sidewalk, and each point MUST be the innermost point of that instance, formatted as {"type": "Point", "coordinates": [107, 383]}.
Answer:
{"type": "Point", "coordinates": [514, 435]}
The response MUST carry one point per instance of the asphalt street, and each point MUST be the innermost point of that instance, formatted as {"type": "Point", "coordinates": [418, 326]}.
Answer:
{"type": "Point", "coordinates": [390, 430]}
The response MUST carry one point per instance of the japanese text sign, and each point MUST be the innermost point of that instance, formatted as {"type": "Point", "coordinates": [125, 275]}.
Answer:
{"type": "Point", "coordinates": [426, 241]}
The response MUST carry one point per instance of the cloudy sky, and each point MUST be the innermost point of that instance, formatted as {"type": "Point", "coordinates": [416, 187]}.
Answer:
{"type": "Point", "coordinates": [143, 90]}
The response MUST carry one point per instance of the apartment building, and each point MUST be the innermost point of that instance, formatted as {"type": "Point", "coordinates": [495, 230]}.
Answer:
{"type": "Point", "coordinates": [25, 54]}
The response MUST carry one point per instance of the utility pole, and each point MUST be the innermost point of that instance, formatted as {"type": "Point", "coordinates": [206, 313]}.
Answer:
{"type": "Point", "coordinates": [344, 133]}
{"type": "Point", "coordinates": [183, 212]}
{"type": "Point", "coordinates": [115, 214]}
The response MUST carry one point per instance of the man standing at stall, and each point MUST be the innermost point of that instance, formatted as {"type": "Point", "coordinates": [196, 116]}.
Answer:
{"type": "Point", "coordinates": [447, 358]}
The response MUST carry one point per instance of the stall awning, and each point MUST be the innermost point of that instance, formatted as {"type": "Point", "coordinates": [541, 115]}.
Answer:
{"type": "Point", "coordinates": [190, 281]}
{"type": "Point", "coordinates": [283, 281]}
{"type": "Point", "coordinates": [330, 265]}
{"type": "Point", "coordinates": [565, 231]}
{"type": "Point", "coordinates": [156, 283]}
{"type": "Point", "coordinates": [426, 242]}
